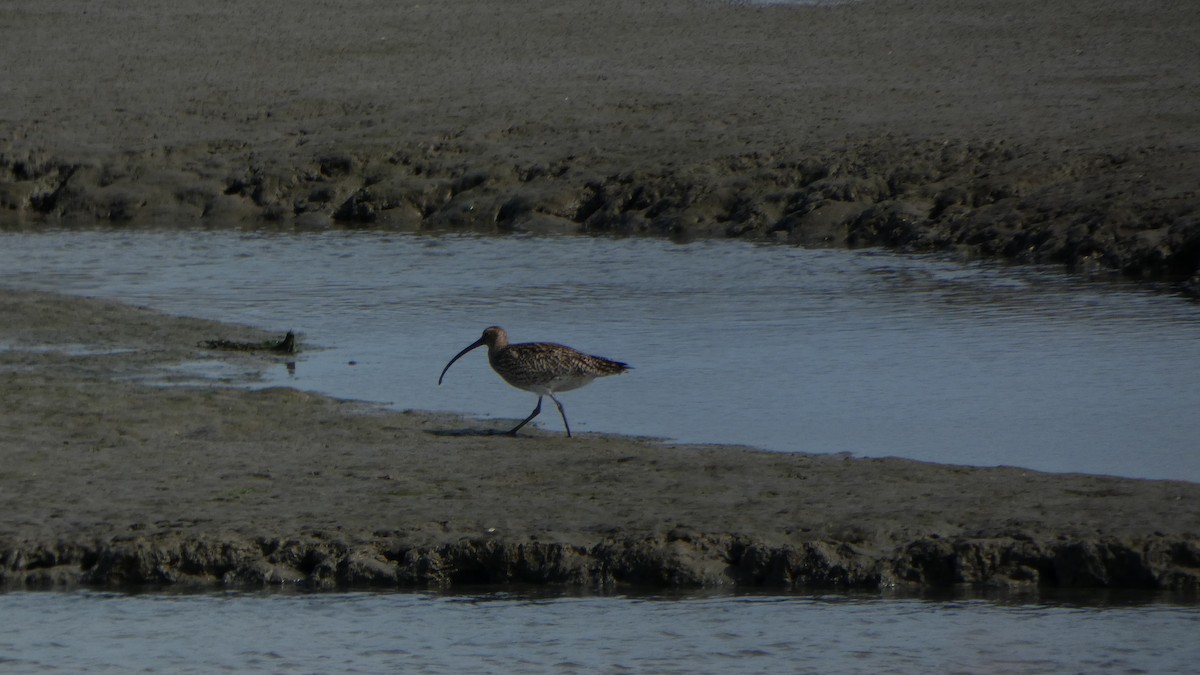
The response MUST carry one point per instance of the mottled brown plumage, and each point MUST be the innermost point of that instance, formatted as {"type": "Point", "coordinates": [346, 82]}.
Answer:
{"type": "Point", "coordinates": [543, 368]}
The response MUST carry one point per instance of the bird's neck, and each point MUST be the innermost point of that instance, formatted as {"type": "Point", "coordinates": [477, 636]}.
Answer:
{"type": "Point", "coordinates": [495, 349]}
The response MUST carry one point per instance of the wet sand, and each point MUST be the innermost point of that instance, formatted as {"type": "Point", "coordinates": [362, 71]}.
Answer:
{"type": "Point", "coordinates": [1054, 132]}
{"type": "Point", "coordinates": [110, 478]}
{"type": "Point", "coordinates": [1064, 131]}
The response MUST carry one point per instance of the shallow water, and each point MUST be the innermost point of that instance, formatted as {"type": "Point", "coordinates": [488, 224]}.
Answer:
{"type": "Point", "coordinates": [503, 632]}
{"type": "Point", "coordinates": [783, 348]}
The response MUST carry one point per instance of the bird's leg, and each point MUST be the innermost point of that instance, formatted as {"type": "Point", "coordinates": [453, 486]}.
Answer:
{"type": "Point", "coordinates": [561, 412]}
{"type": "Point", "coordinates": [536, 410]}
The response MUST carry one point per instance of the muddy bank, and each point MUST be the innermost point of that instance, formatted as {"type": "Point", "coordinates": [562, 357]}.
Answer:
{"type": "Point", "coordinates": [108, 478]}
{"type": "Point", "coordinates": [989, 200]}
{"type": "Point", "coordinates": [1062, 132]}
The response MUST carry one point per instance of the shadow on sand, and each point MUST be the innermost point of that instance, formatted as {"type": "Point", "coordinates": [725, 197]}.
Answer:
{"type": "Point", "coordinates": [467, 432]}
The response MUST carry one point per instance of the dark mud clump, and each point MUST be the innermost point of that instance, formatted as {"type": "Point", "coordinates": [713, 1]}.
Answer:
{"type": "Point", "coordinates": [330, 560]}
{"type": "Point", "coordinates": [287, 345]}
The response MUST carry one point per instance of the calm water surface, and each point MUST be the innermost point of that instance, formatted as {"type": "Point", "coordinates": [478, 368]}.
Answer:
{"type": "Point", "coordinates": [783, 348]}
{"type": "Point", "coordinates": [409, 632]}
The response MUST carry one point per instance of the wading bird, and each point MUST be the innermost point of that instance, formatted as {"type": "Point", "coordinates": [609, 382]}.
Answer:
{"type": "Point", "coordinates": [543, 368]}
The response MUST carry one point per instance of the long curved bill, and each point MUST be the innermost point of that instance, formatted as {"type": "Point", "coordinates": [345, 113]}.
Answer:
{"type": "Point", "coordinates": [477, 343]}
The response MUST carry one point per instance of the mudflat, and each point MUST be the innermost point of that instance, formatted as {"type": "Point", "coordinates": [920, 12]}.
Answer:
{"type": "Point", "coordinates": [114, 472]}
{"type": "Point", "coordinates": [1062, 131]}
